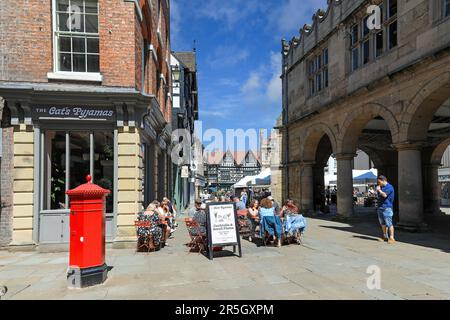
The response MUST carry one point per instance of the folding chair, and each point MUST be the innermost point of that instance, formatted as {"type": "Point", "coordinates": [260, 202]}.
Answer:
{"type": "Point", "coordinates": [144, 241]}
{"type": "Point", "coordinates": [244, 224]}
{"type": "Point", "coordinates": [198, 239]}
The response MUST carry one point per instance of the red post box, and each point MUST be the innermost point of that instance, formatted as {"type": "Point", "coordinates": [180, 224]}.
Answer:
{"type": "Point", "coordinates": [87, 265]}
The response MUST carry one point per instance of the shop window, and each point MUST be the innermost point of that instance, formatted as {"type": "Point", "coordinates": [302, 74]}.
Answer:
{"type": "Point", "coordinates": [76, 36]}
{"type": "Point", "coordinates": [82, 153]}
{"type": "Point", "coordinates": [104, 164]}
{"type": "Point", "coordinates": [446, 8]}
{"type": "Point", "coordinates": [56, 166]}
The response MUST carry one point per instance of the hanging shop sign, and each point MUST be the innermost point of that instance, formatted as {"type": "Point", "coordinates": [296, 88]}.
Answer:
{"type": "Point", "coordinates": [223, 227]}
{"type": "Point", "coordinates": [184, 172]}
{"type": "Point", "coordinates": [74, 113]}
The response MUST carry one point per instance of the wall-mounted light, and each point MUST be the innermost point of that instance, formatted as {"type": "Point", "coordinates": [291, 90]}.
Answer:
{"type": "Point", "coordinates": [176, 73]}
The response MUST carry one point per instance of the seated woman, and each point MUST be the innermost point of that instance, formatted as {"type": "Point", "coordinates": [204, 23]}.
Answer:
{"type": "Point", "coordinates": [253, 216]}
{"type": "Point", "coordinates": [168, 216]}
{"type": "Point", "coordinates": [199, 217]}
{"type": "Point", "coordinates": [154, 231]}
{"type": "Point", "coordinates": [270, 223]}
{"type": "Point", "coordinates": [162, 220]}
{"type": "Point", "coordinates": [294, 223]}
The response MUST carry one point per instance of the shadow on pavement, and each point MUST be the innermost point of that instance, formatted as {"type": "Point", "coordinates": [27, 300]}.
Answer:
{"type": "Point", "coordinates": [367, 228]}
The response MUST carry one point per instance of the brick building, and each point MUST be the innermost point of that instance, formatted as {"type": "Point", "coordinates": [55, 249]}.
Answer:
{"type": "Point", "coordinates": [86, 89]}
{"type": "Point", "coordinates": [382, 90]}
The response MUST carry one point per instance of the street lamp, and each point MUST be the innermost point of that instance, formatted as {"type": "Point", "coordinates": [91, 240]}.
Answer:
{"type": "Point", "coordinates": [176, 73]}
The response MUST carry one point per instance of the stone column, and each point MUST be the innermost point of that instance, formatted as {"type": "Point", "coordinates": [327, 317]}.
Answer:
{"type": "Point", "coordinates": [432, 191]}
{"type": "Point", "coordinates": [319, 180]}
{"type": "Point", "coordinates": [410, 189]}
{"type": "Point", "coordinates": [129, 190]}
{"type": "Point", "coordinates": [23, 186]}
{"type": "Point", "coordinates": [307, 186]}
{"type": "Point", "coordinates": [345, 185]}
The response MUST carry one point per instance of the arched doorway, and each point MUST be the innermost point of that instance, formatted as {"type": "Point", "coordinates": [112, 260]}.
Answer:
{"type": "Point", "coordinates": [319, 144]}
{"type": "Point", "coordinates": [372, 129]}
{"type": "Point", "coordinates": [424, 133]}
{"type": "Point", "coordinates": [436, 161]}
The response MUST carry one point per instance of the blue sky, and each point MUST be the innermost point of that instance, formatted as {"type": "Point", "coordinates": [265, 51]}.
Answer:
{"type": "Point", "coordinates": [238, 55]}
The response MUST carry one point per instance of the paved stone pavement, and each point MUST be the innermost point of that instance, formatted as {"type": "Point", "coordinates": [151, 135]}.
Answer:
{"type": "Point", "coordinates": [331, 264]}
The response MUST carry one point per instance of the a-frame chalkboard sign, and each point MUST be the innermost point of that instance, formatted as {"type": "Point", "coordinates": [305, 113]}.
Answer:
{"type": "Point", "coordinates": [223, 227]}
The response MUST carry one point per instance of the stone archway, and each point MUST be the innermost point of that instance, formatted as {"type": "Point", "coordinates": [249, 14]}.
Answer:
{"type": "Point", "coordinates": [349, 141]}
{"type": "Point", "coordinates": [356, 122]}
{"type": "Point", "coordinates": [432, 189]}
{"type": "Point", "coordinates": [417, 152]}
{"type": "Point", "coordinates": [422, 107]}
{"type": "Point", "coordinates": [318, 145]}
{"type": "Point", "coordinates": [313, 137]}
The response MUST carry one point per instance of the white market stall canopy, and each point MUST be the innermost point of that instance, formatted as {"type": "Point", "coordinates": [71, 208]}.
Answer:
{"type": "Point", "coordinates": [243, 182]}
{"type": "Point", "coordinates": [331, 180]}
{"type": "Point", "coordinates": [262, 179]}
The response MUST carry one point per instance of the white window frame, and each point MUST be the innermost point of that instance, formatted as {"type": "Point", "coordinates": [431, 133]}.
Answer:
{"type": "Point", "coordinates": [68, 75]}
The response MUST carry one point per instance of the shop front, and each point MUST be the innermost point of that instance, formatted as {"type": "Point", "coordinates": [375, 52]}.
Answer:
{"type": "Point", "coordinates": [68, 153]}
{"type": "Point", "coordinates": [116, 138]}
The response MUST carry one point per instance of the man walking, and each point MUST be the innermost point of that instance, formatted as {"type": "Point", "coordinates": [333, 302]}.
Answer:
{"type": "Point", "coordinates": [385, 208]}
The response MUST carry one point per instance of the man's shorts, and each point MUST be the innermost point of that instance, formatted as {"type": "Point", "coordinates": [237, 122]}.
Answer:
{"type": "Point", "coordinates": [385, 216]}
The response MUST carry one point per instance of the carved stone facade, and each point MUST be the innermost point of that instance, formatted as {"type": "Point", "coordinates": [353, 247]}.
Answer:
{"type": "Point", "coordinates": [383, 91]}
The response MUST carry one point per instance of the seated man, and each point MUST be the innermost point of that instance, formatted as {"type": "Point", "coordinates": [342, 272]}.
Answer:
{"type": "Point", "coordinates": [239, 204]}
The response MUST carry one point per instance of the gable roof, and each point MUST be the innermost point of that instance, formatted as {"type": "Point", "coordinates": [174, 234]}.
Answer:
{"type": "Point", "coordinates": [216, 156]}
{"type": "Point", "coordinates": [188, 59]}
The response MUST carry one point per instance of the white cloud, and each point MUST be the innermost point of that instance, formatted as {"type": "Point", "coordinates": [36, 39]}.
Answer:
{"type": "Point", "coordinates": [274, 89]}
{"type": "Point", "coordinates": [291, 15]}
{"type": "Point", "coordinates": [253, 84]}
{"type": "Point", "coordinates": [227, 56]}
{"type": "Point", "coordinates": [229, 11]}
{"type": "Point", "coordinates": [176, 37]}
{"type": "Point", "coordinates": [264, 84]}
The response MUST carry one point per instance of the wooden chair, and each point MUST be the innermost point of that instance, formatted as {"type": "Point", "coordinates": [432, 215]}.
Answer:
{"type": "Point", "coordinates": [144, 241]}
{"type": "Point", "coordinates": [198, 239]}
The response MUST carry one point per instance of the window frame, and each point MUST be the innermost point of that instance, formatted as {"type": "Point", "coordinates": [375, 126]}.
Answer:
{"type": "Point", "coordinates": [317, 71]}
{"type": "Point", "coordinates": [445, 8]}
{"type": "Point", "coordinates": [56, 34]}
{"type": "Point", "coordinates": [370, 38]}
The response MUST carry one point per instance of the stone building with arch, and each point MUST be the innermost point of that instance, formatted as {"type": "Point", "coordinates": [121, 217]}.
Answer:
{"type": "Point", "coordinates": [384, 91]}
